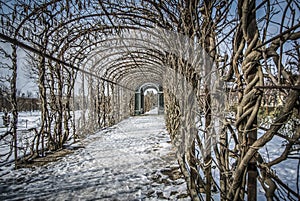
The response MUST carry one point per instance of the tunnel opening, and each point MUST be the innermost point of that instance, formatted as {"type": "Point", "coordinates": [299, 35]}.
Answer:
{"type": "Point", "coordinates": [149, 96]}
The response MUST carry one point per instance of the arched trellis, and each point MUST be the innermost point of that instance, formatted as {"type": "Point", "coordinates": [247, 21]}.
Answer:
{"type": "Point", "coordinates": [76, 29]}
{"type": "Point", "coordinates": [138, 62]}
{"type": "Point", "coordinates": [118, 76]}
{"type": "Point", "coordinates": [135, 55]}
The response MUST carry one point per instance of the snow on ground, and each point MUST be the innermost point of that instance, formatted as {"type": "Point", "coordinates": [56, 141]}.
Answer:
{"type": "Point", "coordinates": [26, 122]}
{"type": "Point", "coordinates": [154, 111]}
{"type": "Point", "coordinates": [132, 160]}
{"type": "Point", "coordinates": [286, 170]}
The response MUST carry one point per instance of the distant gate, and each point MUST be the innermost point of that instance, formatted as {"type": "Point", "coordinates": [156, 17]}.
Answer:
{"type": "Point", "coordinates": [139, 107]}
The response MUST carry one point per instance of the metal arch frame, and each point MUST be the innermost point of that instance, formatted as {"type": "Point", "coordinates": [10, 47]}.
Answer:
{"type": "Point", "coordinates": [88, 15]}
{"type": "Point", "coordinates": [120, 51]}
{"type": "Point", "coordinates": [118, 65]}
{"type": "Point", "coordinates": [113, 65]}
{"type": "Point", "coordinates": [150, 66]}
{"type": "Point", "coordinates": [115, 47]}
{"type": "Point", "coordinates": [127, 80]}
{"type": "Point", "coordinates": [136, 42]}
{"type": "Point", "coordinates": [125, 67]}
{"type": "Point", "coordinates": [115, 68]}
{"type": "Point", "coordinates": [64, 24]}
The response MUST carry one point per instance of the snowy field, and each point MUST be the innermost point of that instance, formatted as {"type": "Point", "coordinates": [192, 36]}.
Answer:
{"type": "Point", "coordinates": [132, 160]}
{"type": "Point", "coordinates": [26, 121]}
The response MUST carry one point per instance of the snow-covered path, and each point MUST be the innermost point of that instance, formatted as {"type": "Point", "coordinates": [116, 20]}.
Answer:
{"type": "Point", "coordinates": [132, 160]}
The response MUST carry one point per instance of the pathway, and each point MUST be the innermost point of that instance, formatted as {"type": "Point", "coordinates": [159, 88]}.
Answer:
{"type": "Point", "coordinates": [132, 160]}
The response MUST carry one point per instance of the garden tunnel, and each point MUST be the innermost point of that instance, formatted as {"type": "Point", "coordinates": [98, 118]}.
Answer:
{"type": "Point", "coordinates": [212, 64]}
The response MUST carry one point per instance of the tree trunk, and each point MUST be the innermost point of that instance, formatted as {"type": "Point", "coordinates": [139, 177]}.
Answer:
{"type": "Point", "coordinates": [13, 100]}
{"type": "Point", "coordinates": [43, 100]}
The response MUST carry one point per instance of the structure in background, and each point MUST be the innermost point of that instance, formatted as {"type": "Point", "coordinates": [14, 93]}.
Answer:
{"type": "Point", "coordinates": [140, 98]}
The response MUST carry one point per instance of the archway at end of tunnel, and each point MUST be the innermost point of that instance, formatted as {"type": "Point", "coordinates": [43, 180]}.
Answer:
{"type": "Point", "coordinates": [149, 96]}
